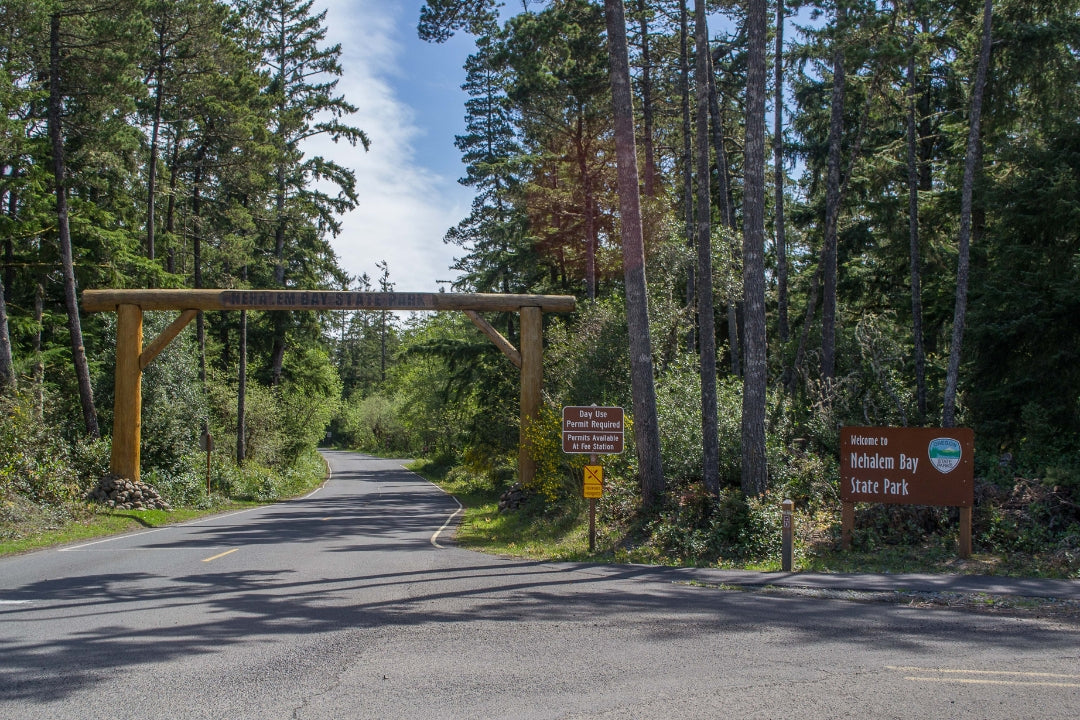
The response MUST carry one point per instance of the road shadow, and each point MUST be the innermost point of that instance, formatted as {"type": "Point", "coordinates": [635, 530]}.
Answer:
{"type": "Point", "coordinates": [107, 623]}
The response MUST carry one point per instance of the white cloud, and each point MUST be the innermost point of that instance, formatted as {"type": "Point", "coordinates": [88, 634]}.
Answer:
{"type": "Point", "coordinates": [405, 205]}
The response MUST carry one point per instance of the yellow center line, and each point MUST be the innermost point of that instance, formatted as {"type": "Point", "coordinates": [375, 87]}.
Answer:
{"type": "Point", "coordinates": [949, 675]}
{"type": "Point", "coordinates": [220, 555]}
{"type": "Point", "coordinates": [956, 671]}
{"type": "Point", "coordinates": [978, 681]}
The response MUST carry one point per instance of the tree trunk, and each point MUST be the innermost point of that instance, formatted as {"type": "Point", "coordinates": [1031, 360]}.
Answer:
{"type": "Point", "coordinates": [590, 209]}
{"type": "Point", "coordinates": [913, 225]}
{"type": "Point", "coordinates": [646, 103]}
{"type": "Point", "coordinates": [7, 365]}
{"type": "Point", "coordinates": [832, 202]}
{"type": "Point", "coordinates": [687, 163]}
{"type": "Point", "coordinates": [727, 213]}
{"type": "Point", "coordinates": [151, 171]}
{"type": "Point", "coordinates": [716, 123]}
{"type": "Point", "coordinates": [710, 439]}
{"type": "Point", "coordinates": [778, 182]}
{"type": "Point", "coordinates": [646, 426]}
{"type": "Point", "coordinates": [39, 358]}
{"type": "Point", "coordinates": [754, 468]}
{"type": "Point", "coordinates": [808, 319]}
{"type": "Point", "coordinates": [196, 256]}
{"type": "Point", "coordinates": [971, 154]}
{"type": "Point", "coordinates": [71, 298]}
{"type": "Point", "coordinates": [9, 246]}
{"type": "Point", "coordinates": [170, 212]}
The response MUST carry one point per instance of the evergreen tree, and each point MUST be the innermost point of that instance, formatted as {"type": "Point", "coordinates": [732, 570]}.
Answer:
{"type": "Point", "coordinates": [92, 50]}
{"type": "Point", "coordinates": [646, 426]}
{"type": "Point", "coordinates": [499, 255]}
{"type": "Point", "coordinates": [303, 78]}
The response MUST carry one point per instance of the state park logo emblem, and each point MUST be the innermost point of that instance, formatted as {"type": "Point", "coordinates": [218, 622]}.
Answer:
{"type": "Point", "coordinates": [944, 454]}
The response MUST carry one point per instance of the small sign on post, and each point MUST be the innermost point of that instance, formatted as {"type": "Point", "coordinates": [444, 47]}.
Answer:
{"type": "Point", "coordinates": [594, 481]}
{"type": "Point", "coordinates": [206, 443]}
{"type": "Point", "coordinates": [592, 430]}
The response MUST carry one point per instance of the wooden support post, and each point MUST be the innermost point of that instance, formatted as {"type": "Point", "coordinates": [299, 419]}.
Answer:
{"type": "Point", "coordinates": [847, 523]}
{"type": "Point", "coordinates": [127, 402]}
{"type": "Point", "coordinates": [965, 532]}
{"type": "Point", "coordinates": [532, 378]}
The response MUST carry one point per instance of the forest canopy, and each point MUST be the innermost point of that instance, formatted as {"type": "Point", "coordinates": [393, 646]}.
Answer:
{"type": "Point", "coordinates": [913, 167]}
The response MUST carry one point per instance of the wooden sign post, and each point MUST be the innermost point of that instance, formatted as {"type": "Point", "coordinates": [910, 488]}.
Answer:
{"type": "Point", "coordinates": [593, 430]}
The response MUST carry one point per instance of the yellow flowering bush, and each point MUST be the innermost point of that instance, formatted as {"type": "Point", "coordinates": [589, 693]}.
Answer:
{"type": "Point", "coordinates": [558, 474]}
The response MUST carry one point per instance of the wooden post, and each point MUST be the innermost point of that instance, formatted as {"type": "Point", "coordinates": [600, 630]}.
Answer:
{"type": "Point", "coordinates": [127, 403]}
{"type": "Point", "coordinates": [787, 532]}
{"type": "Point", "coordinates": [847, 523]}
{"type": "Point", "coordinates": [965, 532]}
{"type": "Point", "coordinates": [532, 378]}
{"type": "Point", "coordinates": [592, 514]}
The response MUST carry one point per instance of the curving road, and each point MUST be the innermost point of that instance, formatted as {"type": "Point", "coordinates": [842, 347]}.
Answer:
{"type": "Point", "coordinates": [350, 603]}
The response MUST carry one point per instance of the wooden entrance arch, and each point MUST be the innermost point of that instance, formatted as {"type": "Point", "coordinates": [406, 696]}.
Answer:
{"type": "Point", "coordinates": [132, 357]}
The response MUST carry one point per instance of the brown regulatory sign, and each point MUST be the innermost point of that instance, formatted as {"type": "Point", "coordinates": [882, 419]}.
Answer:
{"type": "Point", "coordinates": [592, 430]}
{"type": "Point", "coordinates": [908, 466]}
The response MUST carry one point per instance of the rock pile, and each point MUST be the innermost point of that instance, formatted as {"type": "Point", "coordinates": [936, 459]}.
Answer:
{"type": "Point", "coordinates": [123, 494]}
{"type": "Point", "coordinates": [513, 498]}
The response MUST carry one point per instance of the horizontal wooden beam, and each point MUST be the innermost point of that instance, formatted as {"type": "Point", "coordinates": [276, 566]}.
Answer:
{"type": "Point", "coordinates": [109, 300]}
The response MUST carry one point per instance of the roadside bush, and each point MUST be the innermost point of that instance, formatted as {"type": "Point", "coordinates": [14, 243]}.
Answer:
{"type": "Point", "coordinates": [35, 461]}
{"type": "Point", "coordinates": [587, 360]}
{"type": "Point", "coordinates": [308, 400]}
{"type": "Point", "coordinates": [261, 483]}
{"type": "Point", "coordinates": [694, 527]}
{"type": "Point", "coordinates": [558, 474]}
{"type": "Point", "coordinates": [174, 408]}
{"type": "Point", "coordinates": [372, 424]}
{"type": "Point", "coordinates": [264, 427]}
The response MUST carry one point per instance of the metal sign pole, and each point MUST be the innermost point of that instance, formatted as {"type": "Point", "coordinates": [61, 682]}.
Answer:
{"type": "Point", "coordinates": [592, 514]}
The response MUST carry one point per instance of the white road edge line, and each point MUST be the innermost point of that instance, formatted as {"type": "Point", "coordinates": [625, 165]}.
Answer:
{"type": "Point", "coordinates": [435, 538]}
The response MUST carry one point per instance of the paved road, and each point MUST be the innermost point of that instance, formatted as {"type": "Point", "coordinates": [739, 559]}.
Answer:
{"type": "Point", "coordinates": [344, 605]}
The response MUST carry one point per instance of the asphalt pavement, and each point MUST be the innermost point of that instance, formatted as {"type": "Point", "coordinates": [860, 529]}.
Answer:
{"type": "Point", "coordinates": [884, 582]}
{"type": "Point", "coordinates": [352, 602]}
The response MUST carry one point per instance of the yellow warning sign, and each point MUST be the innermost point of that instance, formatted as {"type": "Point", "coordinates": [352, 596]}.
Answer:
{"type": "Point", "coordinates": [594, 481]}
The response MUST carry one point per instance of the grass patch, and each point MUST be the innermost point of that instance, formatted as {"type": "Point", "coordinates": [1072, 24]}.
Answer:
{"type": "Point", "coordinates": [94, 522]}
{"type": "Point", "coordinates": [27, 526]}
{"type": "Point", "coordinates": [561, 533]}
{"type": "Point", "coordinates": [532, 531]}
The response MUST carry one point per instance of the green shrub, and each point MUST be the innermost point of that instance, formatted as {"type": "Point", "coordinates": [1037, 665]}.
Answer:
{"type": "Point", "coordinates": [35, 461]}
{"type": "Point", "coordinates": [372, 424]}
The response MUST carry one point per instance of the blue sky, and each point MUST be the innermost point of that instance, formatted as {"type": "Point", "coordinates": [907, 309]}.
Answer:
{"type": "Point", "coordinates": [411, 105]}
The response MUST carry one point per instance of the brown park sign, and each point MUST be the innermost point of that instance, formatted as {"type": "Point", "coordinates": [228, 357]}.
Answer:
{"type": "Point", "coordinates": [909, 466]}
{"type": "Point", "coordinates": [592, 430]}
